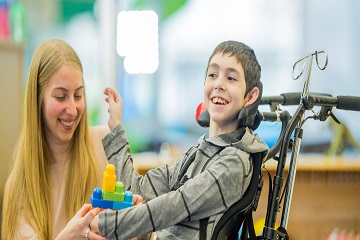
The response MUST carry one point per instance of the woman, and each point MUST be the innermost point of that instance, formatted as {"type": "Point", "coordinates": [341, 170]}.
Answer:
{"type": "Point", "coordinates": [59, 158]}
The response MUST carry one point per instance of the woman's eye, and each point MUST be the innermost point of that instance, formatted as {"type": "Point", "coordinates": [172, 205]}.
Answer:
{"type": "Point", "coordinates": [231, 78]}
{"type": "Point", "coordinates": [60, 98]}
{"type": "Point", "coordinates": [78, 97]}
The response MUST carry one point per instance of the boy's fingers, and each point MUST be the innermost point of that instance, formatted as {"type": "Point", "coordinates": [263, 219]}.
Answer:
{"type": "Point", "coordinates": [137, 200]}
{"type": "Point", "coordinates": [111, 97]}
{"type": "Point", "coordinates": [106, 90]}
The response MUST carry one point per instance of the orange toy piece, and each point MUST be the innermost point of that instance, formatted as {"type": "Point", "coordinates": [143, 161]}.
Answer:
{"type": "Point", "coordinates": [109, 179]}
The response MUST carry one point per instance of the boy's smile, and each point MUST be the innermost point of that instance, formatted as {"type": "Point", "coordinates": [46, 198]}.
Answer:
{"type": "Point", "coordinates": [224, 92]}
{"type": "Point", "coordinates": [219, 100]}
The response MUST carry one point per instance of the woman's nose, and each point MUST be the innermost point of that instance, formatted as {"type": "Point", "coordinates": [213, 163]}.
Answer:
{"type": "Point", "coordinates": [71, 108]}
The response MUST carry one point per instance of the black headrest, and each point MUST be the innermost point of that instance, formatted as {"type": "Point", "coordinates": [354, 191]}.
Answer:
{"type": "Point", "coordinates": [248, 116]}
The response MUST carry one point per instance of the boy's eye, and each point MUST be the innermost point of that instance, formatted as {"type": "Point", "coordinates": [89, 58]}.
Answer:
{"type": "Point", "coordinates": [212, 75]}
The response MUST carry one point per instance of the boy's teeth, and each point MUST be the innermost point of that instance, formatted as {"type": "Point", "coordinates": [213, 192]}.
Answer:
{"type": "Point", "coordinates": [217, 100]}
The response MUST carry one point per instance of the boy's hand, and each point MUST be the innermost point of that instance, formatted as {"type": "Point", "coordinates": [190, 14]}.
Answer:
{"type": "Point", "coordinates": [137, 200]}
{"type": "Point", "coordinates": [115, 107]}
{"type": "Point", "coordinates": [94, 225]}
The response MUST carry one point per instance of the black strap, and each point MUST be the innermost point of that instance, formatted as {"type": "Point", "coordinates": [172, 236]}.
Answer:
{"type": "Point", "coordinates": [269, 191]}
{"type": "Point", "coordinates": [187, 162]}
{"type": "Point", "coordinates": [249, 218]}
{"type": "Point", "coordinates": [250, 226]}
{"type": "Point", "coordinates": [203, 227]}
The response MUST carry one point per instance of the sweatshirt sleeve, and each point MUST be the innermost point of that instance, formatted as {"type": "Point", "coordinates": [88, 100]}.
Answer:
{"type": "Point", "coordinates": [204, 195]}
{"type": "Point", "coordinates": [154, 183]}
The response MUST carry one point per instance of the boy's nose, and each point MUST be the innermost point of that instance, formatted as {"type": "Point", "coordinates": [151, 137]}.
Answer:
{"type": "Point", "coordinates": [219, 84]}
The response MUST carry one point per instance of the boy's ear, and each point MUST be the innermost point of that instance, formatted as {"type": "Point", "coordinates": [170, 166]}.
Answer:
{"type": "Point", "coordinates": [252, 96]}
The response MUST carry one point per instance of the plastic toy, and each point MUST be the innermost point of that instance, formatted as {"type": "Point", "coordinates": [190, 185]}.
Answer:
{"type": "Point", "coordinates": [112, 195]}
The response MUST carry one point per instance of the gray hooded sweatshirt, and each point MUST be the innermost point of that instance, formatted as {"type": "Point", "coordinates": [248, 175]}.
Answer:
{"type": "Point", "coordinates": [216, 178]}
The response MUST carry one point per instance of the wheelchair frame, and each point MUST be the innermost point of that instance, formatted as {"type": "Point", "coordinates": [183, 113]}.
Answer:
{"type": "Point", "coordinates": [305, 101]}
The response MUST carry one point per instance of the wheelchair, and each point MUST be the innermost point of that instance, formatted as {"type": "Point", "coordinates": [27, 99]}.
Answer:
{"type": "Point", "coordinates": [237, 221]}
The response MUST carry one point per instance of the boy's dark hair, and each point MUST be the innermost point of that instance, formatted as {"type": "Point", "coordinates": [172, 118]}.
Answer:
{"type": "Point", "coordinates": [246, 57]}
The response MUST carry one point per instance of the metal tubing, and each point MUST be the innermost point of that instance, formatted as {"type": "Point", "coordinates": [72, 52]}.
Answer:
{"type": "Point", "coordinates": [291, 178]}
{"type": "Point", "coordinates": [273, 208]}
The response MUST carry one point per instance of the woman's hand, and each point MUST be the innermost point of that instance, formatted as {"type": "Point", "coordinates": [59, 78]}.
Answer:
{"type": "Point", "coordinates": [115, 107]}
{"type": "Point", "coordinates": [79, 226]}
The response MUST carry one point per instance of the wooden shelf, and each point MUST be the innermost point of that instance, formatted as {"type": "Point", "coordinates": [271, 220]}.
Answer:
{"type": "Point", "coordinates": [321, 163]}
{"type": "Point", "coordinates": [326, 196]}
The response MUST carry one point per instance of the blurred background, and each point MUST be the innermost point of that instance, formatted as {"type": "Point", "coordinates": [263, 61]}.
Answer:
{"type": "Point", "coordinates": [155, 53]}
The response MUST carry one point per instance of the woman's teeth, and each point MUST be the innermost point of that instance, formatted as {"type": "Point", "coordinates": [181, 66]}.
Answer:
{"type": "Point", "coordinates": [67, 124]}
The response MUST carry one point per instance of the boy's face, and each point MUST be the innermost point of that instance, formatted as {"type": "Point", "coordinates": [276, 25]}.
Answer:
{"type": "Point", "coordinates": [224, 91]}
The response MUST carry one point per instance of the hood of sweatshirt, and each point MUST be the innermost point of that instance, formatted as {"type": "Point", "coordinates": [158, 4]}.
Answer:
{"type": "Point", "coordinates": [243, 138]}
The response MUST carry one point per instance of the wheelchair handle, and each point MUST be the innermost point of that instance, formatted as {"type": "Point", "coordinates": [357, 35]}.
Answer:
{"type": "Point", "coordinates": [351, 103]}
{"type": "Point", "coordinates": [292, 98]}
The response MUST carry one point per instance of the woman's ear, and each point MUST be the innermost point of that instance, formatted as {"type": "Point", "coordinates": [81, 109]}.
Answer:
{"type": "Point", "coordinates": [252, 96]}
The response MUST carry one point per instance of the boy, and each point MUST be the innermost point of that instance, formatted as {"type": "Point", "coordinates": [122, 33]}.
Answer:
{"type": "Point", "coordinates": [218, 168]}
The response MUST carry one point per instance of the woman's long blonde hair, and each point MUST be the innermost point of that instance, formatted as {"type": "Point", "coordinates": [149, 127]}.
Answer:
{"type": "Point", "coordinates": [27, 190]}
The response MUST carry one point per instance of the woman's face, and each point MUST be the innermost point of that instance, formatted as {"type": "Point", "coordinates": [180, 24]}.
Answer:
{"type": "Point", "coordinates": [63, 104]}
